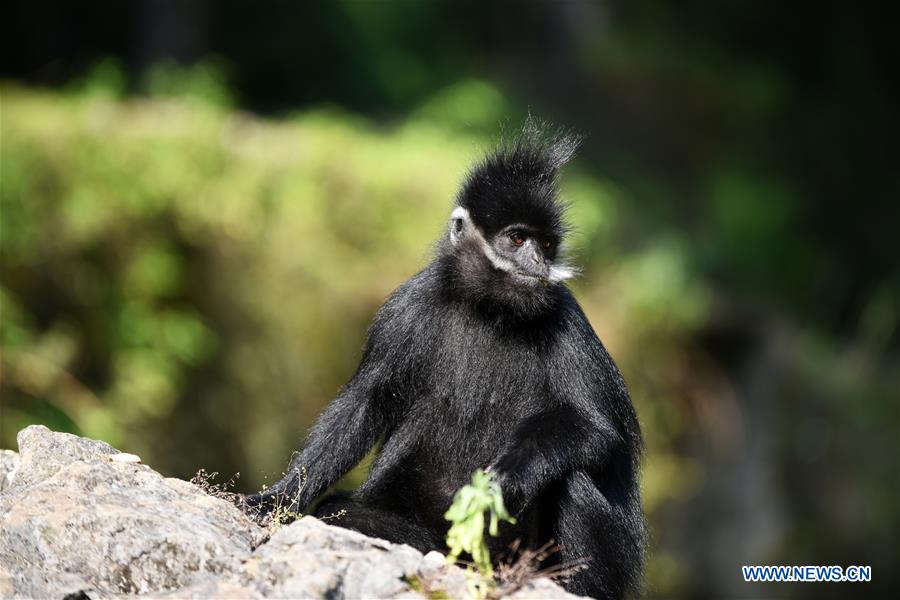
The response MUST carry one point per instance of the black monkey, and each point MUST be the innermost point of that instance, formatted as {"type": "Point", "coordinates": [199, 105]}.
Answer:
{"type": "Point", "coordinates": [484, 359]}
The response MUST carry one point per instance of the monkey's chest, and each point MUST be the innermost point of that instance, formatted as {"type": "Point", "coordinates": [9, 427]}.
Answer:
{"type": "Point", "coordinates": [485, 370]}
{"type": "Point", "coordinates": [468, 396]}
{"type": "Point", "coordinates": [467, 414]}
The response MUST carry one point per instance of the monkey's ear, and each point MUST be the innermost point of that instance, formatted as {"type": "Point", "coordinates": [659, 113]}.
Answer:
{"type": "Point", "coordinates": [460, 224]}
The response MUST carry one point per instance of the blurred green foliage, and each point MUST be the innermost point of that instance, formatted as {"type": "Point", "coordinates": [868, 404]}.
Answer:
{"type": "Point", "coordinates": [193, 283]}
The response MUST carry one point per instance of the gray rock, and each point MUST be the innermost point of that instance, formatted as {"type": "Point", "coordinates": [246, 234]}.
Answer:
{"type": "Point", "coordinates": [355, 565]}
{"type": "Point", "coordinates": [73, 518]}
{"type": "Point", "coordinates": [43, 452]}
{"type": "Point", "coordinates": [309, 559]}
{"type": "Point", "coordinates": [9, 462]}
{"type": "Point", "coordinates": [434, 576]}
{"type": "Point", "coordinates": [540, 589]}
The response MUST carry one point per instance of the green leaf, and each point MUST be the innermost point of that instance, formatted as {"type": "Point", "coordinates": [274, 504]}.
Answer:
{"type": "Point", "coordinates": [467, 515]}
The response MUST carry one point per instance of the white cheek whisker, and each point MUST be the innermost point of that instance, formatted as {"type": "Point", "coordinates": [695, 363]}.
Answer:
{"type": "Point", "coordinates": [497, 261]}
{"type": "Point", "coordinates": [560, 273]}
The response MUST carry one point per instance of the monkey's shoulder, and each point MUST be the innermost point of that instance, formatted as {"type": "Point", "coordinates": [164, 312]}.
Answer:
{"type": "Point", "coordinates": [411, 300]}
{"type": "Point", "coordinates": [406, 317]}
{"type": "Point", "coordinates": [579, 354]}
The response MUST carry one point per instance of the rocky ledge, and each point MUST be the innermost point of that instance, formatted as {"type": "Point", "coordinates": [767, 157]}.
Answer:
{"type": "Point", "coordinates": [79, 519]}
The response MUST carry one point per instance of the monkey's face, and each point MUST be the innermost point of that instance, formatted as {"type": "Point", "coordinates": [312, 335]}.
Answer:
{"type": "Point", "coordinates": [508, 224]}
{"type": "Point", "coordinates": [527, 253]}
{"type": "Point", "coordinates": [517, 266]}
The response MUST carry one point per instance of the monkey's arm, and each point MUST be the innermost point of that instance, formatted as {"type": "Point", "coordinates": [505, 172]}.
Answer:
{"type": "Point", "coordinates": [548, 445]}
{"type": "Point", "coordinates": [588, 421]}
{"type": "Point", "coordinates": [342, 435]}
{"type": "Point", "coordinates": [363, 411]}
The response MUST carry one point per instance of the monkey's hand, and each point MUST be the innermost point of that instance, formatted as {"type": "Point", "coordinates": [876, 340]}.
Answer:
{"type": "Point", "coordinates": [503, 471]}
{"type": "Point", "coordinates": [544, 448]}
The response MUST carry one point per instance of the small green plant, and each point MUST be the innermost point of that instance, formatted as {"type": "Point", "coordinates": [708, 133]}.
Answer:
{"type": "Point", "coordinates": [467, 515]}
{"type": "Point", "coordinates": [280, 516]}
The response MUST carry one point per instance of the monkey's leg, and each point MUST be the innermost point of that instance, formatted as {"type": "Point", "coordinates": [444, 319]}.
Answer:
{"type": "Point", "coordinates": [599, 536]}
{"type": "Point", "coordinates": [377, 522]}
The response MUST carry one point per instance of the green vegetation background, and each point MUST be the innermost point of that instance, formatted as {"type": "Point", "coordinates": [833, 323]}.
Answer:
{"type": "Point", "coordinates": [192, 282]}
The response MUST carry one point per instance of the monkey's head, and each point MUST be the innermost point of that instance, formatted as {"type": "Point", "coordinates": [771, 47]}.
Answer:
{"type": "Point", "coordinates": [506, 232]}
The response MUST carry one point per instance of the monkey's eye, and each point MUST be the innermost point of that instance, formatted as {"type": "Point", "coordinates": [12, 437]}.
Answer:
{"type": "Point", "coordinates": [547, 244]}
{"type": "Point", "coordinates": [517, 238]}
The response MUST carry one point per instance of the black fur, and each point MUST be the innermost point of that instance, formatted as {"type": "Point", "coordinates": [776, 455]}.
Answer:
{"type": "Point", "coordinates": [470, 366]}
{"type": "Point", "coordinates": [518, 183]}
